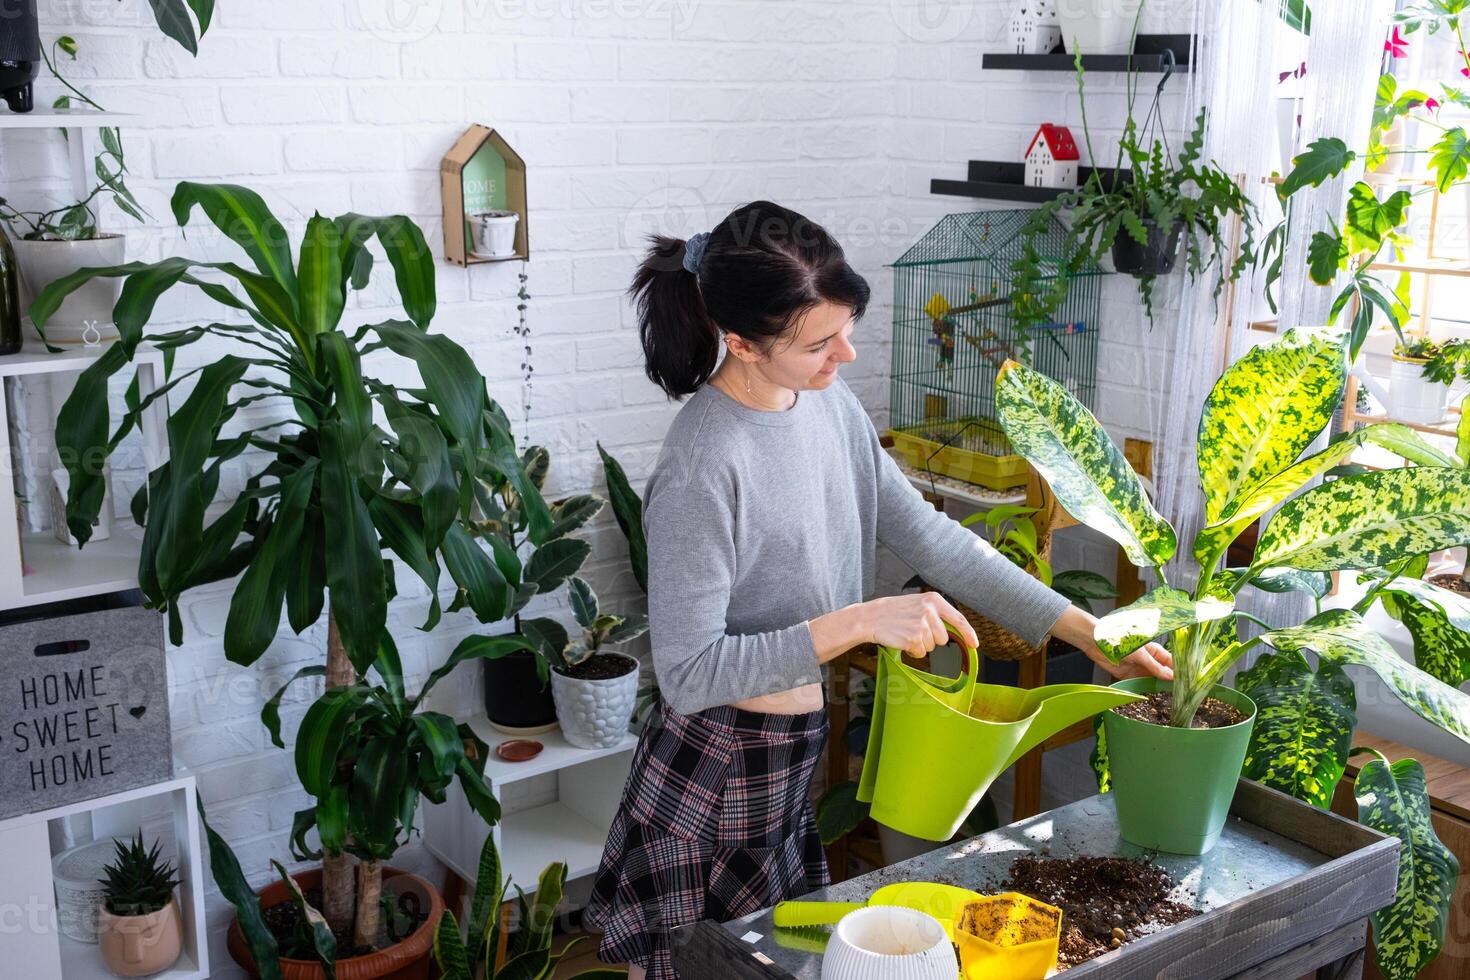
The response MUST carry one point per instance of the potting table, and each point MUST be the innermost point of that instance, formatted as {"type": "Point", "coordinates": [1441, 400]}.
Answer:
{"type": "Point", "coordinates": [1286, 891]}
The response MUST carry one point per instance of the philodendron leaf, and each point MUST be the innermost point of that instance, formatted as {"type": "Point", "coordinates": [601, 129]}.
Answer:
{"type": "Point", "coordinates": [1340, 636]}
{"type": "Point", "coordinates": [1441, 649]}
{"type": "Point", "coordinates": [1409, 933]}
{"type": "Point", "coordinates": [1129, 627]}
{"type": "Point", "coordinates": [1304, 725]}
{"type": "Point", "coordinates": [1327, 253]}
{"type": "Point", "coordinates": [1089, 474]}
{"type": "Point", "coordinates": [1322, 160]}
{"type": "Point", "coordinates": [1264, 411]}
{"type": "Point", "coordinates": [1370, 520]}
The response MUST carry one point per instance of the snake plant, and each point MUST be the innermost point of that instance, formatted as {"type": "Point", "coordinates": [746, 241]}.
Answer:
{"type": "Point", "coordinates": [1259, 419]}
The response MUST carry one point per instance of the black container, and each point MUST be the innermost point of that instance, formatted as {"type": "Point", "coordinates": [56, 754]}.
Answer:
{"type": "Point", "coordinates": [1065, 664]}
{"type": "Point", "coordinates": [20, 53]}
{"type": "Point", "coordinates": [9, 297]}
{"type": "Point", "coordinates": [514, 695]}
{"type": "Point", "coordinates": [1154, 259]}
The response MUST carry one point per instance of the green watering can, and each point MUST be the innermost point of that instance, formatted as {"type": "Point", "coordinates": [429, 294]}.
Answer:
{"type": "Point", "coordinates": [937, 743]}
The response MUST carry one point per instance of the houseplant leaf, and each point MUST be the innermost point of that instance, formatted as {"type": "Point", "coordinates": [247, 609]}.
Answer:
{"type": "Point", "coordinates": [322, 734]}
{"type": "Point", "coordinates": [225, 868]}
{"type": "Point", "coordinates": [1161, 610]}
{"type": "Point", "coordinates": [1409, 933]}
{"type": "Point", "coordinates": [554, 561]}
{"type": "Point", "coordinates": [584, 601]}
{"type": "Point", "coordinates": [173, 19]}
{"type": "Point", "coordinates": [1264, 411]}
{"type": "Point", "coordinates": [839, 811]}
{"type": "Point", "coordinates": [1090, 476]}
{"type": "Point", "coordinates": [255, 605]}
{"type": "Point", "coordinates": [1450, 158]}
{"type": "Point", "coordinates": [1441, 649]}
{"type": "Point", "coordinates": [1369, 520]}
{"type": "Point", "coordinates": [243, 216]}
{"type": "Point", "coordinates": [319, 275]}
{"type": "Point", "coordinates": [475, 572]}
{"type": "Point", "coordinates": [449, 950]}
{"type": "Point", "coordinates": [355, 577]}
{"type": "Point", "coordinates": [1322, 160]}
{"type": "Point", "coordinates": [322, 939]}
{"type": "Point", "coordinates": [1339, 636]}
{"type": "Point", "coordinates": [628, 509]}
{"type": "Point", "coordinates": [1327, 254]}
{"type": "Point", "coordinates": [1304, 725]}
{"type": "Point", "coordinates": [485, 904]}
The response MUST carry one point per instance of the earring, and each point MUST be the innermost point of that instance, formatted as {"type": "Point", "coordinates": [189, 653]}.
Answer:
{"type": "Point", "coordinates": [747, 383]}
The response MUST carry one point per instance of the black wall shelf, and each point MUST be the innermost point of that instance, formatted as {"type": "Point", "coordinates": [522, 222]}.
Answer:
{"type": "Point", "coordinates": [996, 180]}
{"type": "Point", "coordinates": [1150, 54]}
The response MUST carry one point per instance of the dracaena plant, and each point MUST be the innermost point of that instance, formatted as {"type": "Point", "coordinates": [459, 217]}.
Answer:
{"type": "Point", "coordinates": [351, 464]}
{"type": "Point", "coordinates": [1259, 419]}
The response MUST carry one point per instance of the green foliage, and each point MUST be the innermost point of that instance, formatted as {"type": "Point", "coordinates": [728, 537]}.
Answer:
{"type": "Point", "coordinates": [597, 628]}
{"type": "Point", "coordinates": [317, 935]}
{"type": "Point", "coordinates": [1304, 725]}
{"type": "Point", "coordinates": [628, 509]}
{"type": "Point", "coordinates": [138, 881]}
{"type": "Point", "coordinates": [1162, 610]}
{"type": "Point", "coordinates": [1013, 533]}
{"type": "Point", "coordinates": [839, 811]}
{"type": "Point", "coordinates": [1083, 586]}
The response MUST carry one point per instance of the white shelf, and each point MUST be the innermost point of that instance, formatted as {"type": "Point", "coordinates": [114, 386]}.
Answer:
{"type": "Point", "coordinates": [83, 961]}
{"type": "Point", "coordinates": [548, 833]}
{"type": "Point", "coordinates": [40, 118]}
{"type": "Point", "coordinates": [557, 754]}
{"type": "Point", "coordinates": [61, 571]}
{"type": "Point", "coordinates": [34, 358]}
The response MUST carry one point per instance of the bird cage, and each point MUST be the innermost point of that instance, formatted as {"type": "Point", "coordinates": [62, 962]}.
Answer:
{"type": "Point", "coordinates": [953, 328]}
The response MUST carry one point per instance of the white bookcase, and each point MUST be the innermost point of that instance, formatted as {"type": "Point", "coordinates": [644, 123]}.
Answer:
{"type": "Point", "coordinates": [37, 950]}
{"type": "Point", "coordinates": [534, 831]}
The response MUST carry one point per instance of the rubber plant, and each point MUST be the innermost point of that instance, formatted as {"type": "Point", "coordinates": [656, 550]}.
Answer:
{"type": "Point", "coordinates": [470, 955]}
{"type": "Point", "coordinates": [335, 487]}
{"type": "Point", "coordinates": [1259, 419]}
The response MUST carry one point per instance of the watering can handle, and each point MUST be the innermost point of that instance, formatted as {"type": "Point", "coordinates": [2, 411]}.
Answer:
{"type": "Point", "coordinates": [971, 670]}
{"type": "Point", "coordinates": [789, 914]}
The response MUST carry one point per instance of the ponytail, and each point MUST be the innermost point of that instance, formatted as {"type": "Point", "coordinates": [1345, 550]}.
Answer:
{"type": "Point", "coordinates": [754, 274]}
{"type": "Point", "coordinates": [681, 344]}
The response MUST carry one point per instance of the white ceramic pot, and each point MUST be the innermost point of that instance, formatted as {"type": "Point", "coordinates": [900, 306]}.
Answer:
{"type": "Point", "coordinates": [885, 942]}
{"type": "Point", "coordinates": [42, 263]}
{"type": "Point", "coordinates": [1413, 397]}
{"type": "Point", "coordinates": [495, 233]}
{"type": "Point", "coordinates": [1098, 26]}
{"type": "Point", "coordinates": [594, 714]}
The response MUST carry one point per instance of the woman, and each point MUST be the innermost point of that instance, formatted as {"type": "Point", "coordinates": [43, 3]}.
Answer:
{"type": "Point", "coordinates": [762, 516]}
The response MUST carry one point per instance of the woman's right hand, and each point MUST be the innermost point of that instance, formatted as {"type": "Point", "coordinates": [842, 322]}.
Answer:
{"type": "Point", "coordinates": [914, 623]}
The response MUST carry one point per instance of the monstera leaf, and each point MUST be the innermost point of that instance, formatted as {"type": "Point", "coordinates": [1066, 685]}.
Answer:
{"type": "Point", "coordinates": [1369, 520]}
{"type": "Point", "coordinates": [1264, 411]}
{"type": "Point", "coordinates": [1339, 636]}
{"type": "Point", "coordinates": [1304, 725]}
{"type": "Point", "coordinates": [1163, 610]}
{"type": "Point", "coordinates": [1407, 934]}
{"type": "Point", "coordinates": [1090, 476]}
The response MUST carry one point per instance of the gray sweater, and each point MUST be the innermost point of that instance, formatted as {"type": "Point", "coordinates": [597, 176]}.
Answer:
{"type": "Point", "coordinates": [760, 521]}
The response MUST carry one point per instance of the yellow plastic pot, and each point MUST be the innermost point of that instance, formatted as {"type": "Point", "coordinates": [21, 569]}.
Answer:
{"type": "Point", "coordinates": [1008, 935]}
{"type": "Point", "coordinates": [936, 743]}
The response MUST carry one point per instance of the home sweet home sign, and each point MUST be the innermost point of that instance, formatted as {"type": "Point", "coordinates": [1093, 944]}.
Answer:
{"type": "Point", "coordinates": [83, 708]}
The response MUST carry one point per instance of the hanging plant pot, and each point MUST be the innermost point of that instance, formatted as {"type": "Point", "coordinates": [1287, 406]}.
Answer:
{"type": "Point", "coordinates": [1154, 259]}
{"type": "Point", "coordinates": [517, 701]}
{"type": "Point", "coordinates": [594, 702]}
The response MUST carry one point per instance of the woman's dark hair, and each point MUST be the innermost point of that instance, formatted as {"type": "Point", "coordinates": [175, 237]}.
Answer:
{"type": "Point", "coordinates": [762, 267]}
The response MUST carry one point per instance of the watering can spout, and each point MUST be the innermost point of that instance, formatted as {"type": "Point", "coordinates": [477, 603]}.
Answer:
{"type": "Point", "coordinates": [936, 744]}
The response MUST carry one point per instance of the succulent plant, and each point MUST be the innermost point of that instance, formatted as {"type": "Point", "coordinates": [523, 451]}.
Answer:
{"type": "Point", "coordinates": [139, 882]}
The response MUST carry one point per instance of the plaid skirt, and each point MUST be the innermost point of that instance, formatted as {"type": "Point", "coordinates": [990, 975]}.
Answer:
{"type": "Point", "coordinates": [714, 824]}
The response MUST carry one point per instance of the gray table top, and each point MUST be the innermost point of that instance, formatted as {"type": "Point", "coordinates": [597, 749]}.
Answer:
{"type": "Point", "coordinates": [1247, 859]}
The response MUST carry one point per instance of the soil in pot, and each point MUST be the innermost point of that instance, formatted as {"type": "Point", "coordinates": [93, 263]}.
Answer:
{"type": "Point", "coordinates": [1105, 901]}
{"type": "Point", "coordinates": [1451, 581]}
{"type": "Point", "coordinates": [599, 667]}
{"type": "Point", "coordinates": [1154, 710]}
{"type": "Point", "coordinates": [294, 939]}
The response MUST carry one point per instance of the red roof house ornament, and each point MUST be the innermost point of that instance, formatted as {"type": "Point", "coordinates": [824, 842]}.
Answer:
{"type": "Point", "coordinates": [1052, 158]}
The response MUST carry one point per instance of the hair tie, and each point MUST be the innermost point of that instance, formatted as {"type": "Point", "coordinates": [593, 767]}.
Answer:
{"type": "Point", "coordinates": [694, 251]}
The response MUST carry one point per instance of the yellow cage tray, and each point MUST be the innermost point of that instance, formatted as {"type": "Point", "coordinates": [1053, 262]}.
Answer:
{"type": "Point", "coordinates": [923, 448]}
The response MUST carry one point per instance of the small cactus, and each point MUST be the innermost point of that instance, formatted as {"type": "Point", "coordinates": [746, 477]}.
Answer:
{"type": "Point", "coordinates": [138, 882]}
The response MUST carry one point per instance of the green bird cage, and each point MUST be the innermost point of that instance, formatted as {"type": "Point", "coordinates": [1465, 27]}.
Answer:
{"type": "Point", "coordinates": [953, 328]}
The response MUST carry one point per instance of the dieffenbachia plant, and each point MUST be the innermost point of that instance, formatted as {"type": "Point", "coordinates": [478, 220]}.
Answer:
{"type": "Point", "coordinates": [1261, 416]}
{"type": "Point", "coordinates": [347, 461]}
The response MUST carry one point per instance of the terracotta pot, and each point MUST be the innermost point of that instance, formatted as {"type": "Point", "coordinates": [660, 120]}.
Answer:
{"type": "Point", "coordinates": [408, 960]}
{"type": "Point", "coordinates": [140, 945]}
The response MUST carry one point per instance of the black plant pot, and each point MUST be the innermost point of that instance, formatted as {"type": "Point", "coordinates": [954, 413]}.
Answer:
{"type": "Point", "coordinates": [20, 53]}
{"type": "Point", "coordinates": [1154, 259]}
{"type": "Point", "coordinates": [515, 699]}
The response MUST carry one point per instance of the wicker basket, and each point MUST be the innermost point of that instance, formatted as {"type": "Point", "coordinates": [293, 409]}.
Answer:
{"type": "Point", "coordinates": [997, 642]}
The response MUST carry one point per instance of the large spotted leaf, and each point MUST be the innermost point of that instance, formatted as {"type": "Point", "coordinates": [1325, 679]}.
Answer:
{"type": "Point", "coordinates": [1090, 476]}
{"type": "Point", "coordinates": [1441, 649]}
{"type": "Point", "coordinates": [1129, 627]}
{"type": "Point", "coordinates": [1339, 636]}
{"type": "Point", "coordinates": [1462, 438]}
{"type": "Point", "coordinates": [1370, 520]}
{"type": "Point", "coordinates": [1264, 411]}
{"type": "Point", "coordinates": [1251, 504]}
{"type": "Point", "coordinates": [1409, 933]}
{"type": "Point", "coordinates": [1304, 725]}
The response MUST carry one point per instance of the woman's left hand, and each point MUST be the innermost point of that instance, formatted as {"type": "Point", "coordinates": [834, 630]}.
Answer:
{"type": "Point", "coordinates": [1076, 627]}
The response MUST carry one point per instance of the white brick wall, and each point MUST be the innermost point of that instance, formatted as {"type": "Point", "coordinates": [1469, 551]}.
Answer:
{"type": "Point", "coordinates": [633, 115]}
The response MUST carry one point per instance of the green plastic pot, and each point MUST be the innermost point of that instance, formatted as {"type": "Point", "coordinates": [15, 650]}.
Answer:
{"type": "Point", "coordinates": [1172, 786]}
{"type": "Point", "coordinates": [937, 743]}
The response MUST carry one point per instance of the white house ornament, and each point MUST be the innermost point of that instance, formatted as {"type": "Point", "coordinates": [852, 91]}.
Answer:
{"type": "Point", "coordinates": [1035, 27]}
{"type": "Point", "coordinates": [1052, 158]}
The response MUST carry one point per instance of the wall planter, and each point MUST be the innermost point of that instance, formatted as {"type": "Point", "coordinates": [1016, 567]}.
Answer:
{"type": "Point", "coordinates": [1153, 259]}
{"type": "Point", "coordinates": [594, 703]}
{"type": "Point", "coordinates": [43, 262]}
{"type": "Point", "coordinates": [482, 176]}
{"type": "Point", "coordinates": [518, 701]}
{"type": "Point", "coordinates": [1098, 26]}
{"type": "Point", "coordinates": [1173, 786]}
{"type": "Point", "coordinates": [410, 959]}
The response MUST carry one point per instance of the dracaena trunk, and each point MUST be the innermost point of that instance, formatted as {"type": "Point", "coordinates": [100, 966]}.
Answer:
{"type": "Point", "coordinates": [339, 889]}
{"type": "Point", "coordinates": [369, 890]}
